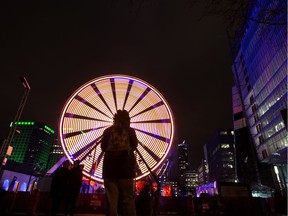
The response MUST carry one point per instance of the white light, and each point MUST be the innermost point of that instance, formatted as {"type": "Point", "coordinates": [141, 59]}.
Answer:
{"type": "Point", "coordinates": [276, 170]}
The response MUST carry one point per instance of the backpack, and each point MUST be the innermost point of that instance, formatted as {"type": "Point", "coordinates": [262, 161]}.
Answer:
{"type": "Point", "coordinates": [119, 140]}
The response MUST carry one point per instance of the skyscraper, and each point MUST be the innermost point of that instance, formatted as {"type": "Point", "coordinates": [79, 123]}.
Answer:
{"type": "Point", "coordinates": [191, 182]}
{"type": "Point", "coordinates": [202, 173]}
{"type": "Point", "coordinates": [220, 156]}
{"type": "Point", "coordinates": [260, 74]}
{"type": "Point", "coordinates": [182, 165]}
{"type": "Point", "coordinates": [56, 153]}
{"type": "Point", "coordinates": [32, 144]}
{"type": "Point", "coordinates": [246, 158]}
{"type": "Point", "coordinates": [182, 158]}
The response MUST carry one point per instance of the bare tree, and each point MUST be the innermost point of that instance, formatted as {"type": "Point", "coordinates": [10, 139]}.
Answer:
{"type": "Point", "coordinates": [235, 11]}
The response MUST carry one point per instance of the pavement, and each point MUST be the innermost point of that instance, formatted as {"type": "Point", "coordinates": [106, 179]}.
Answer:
{"type": "Point", "coordinates": [77, 214]}
{"type": "Point", "coordinates": [45, 214]}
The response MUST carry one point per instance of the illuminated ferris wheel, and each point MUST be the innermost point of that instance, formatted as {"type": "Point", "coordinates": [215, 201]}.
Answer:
{"type": "Point", "coordinates": [90, 109]}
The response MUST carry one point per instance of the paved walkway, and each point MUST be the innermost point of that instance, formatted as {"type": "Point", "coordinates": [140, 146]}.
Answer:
{"type": "Point", "coordinates": [79, 214]}
{"type": "Point", "coordinates": [44, 214]}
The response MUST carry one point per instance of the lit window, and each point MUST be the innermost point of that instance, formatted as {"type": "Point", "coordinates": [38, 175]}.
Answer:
{"type": "Point", "coordinates": [225, 145]}
{"type": "Point", "coordinates": [227, 165]}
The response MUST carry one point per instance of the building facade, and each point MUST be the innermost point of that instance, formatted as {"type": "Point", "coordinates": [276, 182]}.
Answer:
{"type": "Point", "coordinates": [32, 143]}
{"type": "Point", "coordinates": [246, 158]}
{"type": "Point", "coordinates": [260, 74]}
{"type": "Point", "coordinates": [220, 156]}
{"type": "Point", "coordinates": [55, 154]}
{"type": "Point", "coordinates": [182, 166]}
{"type": "Point", "coordinates": [191, 182]}
{"type": "Point", "coordinates": [203, 173]}
{"type": "Point", "coordinates": [28, 159]}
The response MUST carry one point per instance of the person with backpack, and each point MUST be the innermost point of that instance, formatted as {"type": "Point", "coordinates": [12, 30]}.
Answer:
{"type": "Point", "coordinates": [119, 166]}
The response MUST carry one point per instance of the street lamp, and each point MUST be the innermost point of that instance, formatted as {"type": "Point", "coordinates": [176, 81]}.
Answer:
{"type": "Point", "coordinates": [24, 83]}
{"type": "Point", "coordinates": [7, 141]}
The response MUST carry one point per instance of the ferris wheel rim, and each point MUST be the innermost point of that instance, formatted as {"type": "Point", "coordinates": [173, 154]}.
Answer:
{"type": "Point", "coordinates": [115, 76]}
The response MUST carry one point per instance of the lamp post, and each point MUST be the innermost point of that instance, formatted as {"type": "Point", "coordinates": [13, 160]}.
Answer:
{"type": "Point", "coordinates": [7, 141]}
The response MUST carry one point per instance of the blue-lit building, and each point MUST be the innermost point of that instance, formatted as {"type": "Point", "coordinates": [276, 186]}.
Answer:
{"type": "Point", "coordinates": [260, 73]}
{"type": "Point", "coordinates": [246, 157]}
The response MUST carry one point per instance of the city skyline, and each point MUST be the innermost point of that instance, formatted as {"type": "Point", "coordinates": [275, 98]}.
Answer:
{"type": "Point", "coordinates": [60, 47]}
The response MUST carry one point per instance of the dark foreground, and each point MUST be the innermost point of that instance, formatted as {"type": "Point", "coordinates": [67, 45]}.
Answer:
{"type": "Point", "coordinates": [39, 203]}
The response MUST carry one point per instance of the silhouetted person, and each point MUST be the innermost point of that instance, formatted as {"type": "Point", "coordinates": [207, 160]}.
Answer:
{"type": "Point", "coordinates": [74, 185]}
{"type": "Point", "coordinates": [145, 201]}
{"type": "Point", "coordinates": [12, 184]}
{"type": "Point", "coordinates": [59, 186]}
{"type": "Point", "coordinates": [155, 195]}
{"type": "Point", "coordinates": [119, 143]}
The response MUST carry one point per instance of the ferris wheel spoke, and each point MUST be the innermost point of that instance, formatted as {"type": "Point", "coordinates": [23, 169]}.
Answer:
{"type": "Point", "coordinates": [149, 151]}
{"type": "Point", "coordinates": [100, 157]}
{"type": "Point", "coordinates": [76, 133]}
{"type": "Point", "coordinates": [138, 170]}
{"type": "Point", "coordinates": [147, 90]}
{"type": "Point", "coordinates": [155, 136]}
{"type": "Point", "coordinates": [95, 164]}
{"type": "Point", "coordinates": [154, 121]}
{"type": "Point", "coordinates": [112, 82]}
{"type": "Point", "coordinates": [81, 117]}
{"type": "Point", "coordinates": [83, 154]}
{"type": "Point", "coordinates": [89, 147]}
{"type": "Point", "coordinates": [149, 108]}
{"type": "Point", "coordinates": [130, 84]}
{"type": "Point", "coordinates": [83, 157]}
{"type": "Point", "coordinates": [95, 88]}
{"type": "Point", "coordinates": [83, 101]}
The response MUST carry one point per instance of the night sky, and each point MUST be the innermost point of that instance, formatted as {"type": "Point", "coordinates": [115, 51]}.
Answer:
{"type": "Point", "coordinates": [169, 44]}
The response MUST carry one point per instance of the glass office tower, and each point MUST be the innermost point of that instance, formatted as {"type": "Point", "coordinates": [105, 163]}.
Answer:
{"type": "Point", "coordinates": [183, 165]}
{"type": "Point", "coordinates": [260, 73]}
{"type": "Point", "coordinates": [32, 144]}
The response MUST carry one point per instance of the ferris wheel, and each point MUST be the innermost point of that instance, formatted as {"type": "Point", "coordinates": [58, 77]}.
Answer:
{"type": "Point", "coordinates": [90, 110]}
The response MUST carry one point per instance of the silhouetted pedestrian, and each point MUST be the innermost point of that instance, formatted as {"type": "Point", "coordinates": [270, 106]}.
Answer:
{"type": "Point", "coordinates": [144, 207]}
{"type": "Point", "coordinates": [74, 185]}
{"type": "Point", "coordinates": [12, 184]}
{"type": "Point", "coordinates": [59, 186]}
{"type": "Point", "coordinates": [155, 195]}
{"type": "Point", "coordinates": [119, 143]}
